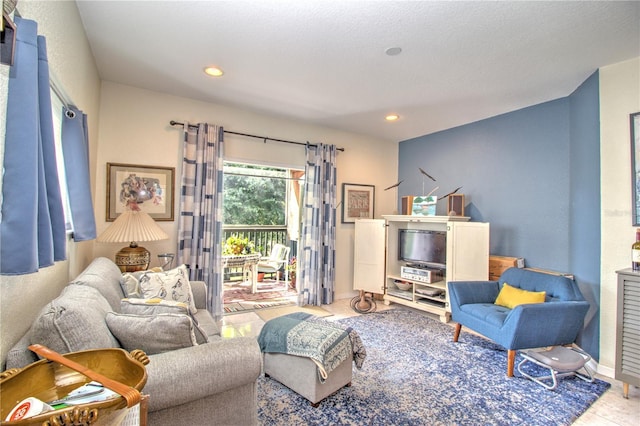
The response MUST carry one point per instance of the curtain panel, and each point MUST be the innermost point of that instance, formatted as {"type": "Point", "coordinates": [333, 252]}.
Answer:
{"type": "Point", "coordinates": [75, 150]}
{"type": "Point", "coordinates": [201, 216]}
{"type": "Point", "coordinates": [317, 240]}
{"type": "Point", "coordinates": [32, 226]}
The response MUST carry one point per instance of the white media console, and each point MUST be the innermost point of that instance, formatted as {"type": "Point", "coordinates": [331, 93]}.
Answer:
{"type": "Point", "coordinates": [377, 267]}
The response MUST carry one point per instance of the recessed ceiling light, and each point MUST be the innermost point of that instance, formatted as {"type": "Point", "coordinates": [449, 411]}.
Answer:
{"type": "Point", "coordinates": [214, 71]}
{"type": "Point", "coordinates": [392, 117]}
{"type": "Point", "coordinates": [393, 51]}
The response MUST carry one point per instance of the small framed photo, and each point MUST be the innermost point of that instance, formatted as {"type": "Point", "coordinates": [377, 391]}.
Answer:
{"type": "Point", "coordinates": [150, 187]}
{"type": "Point", "coordinates": [635, 164]}
{"type": "Point", "coordinates": [357, 201]}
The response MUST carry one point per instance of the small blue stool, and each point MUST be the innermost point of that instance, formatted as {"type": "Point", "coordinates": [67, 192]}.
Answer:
{"type": "Point", "coordinates": [561, 361]}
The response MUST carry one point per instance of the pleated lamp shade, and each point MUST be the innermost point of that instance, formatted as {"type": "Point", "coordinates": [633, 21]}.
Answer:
{"type": "Point", "coordinates": [133, 226]}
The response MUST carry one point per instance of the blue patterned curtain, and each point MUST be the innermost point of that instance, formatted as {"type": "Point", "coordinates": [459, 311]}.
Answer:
{"type": "Point", "coordinates": [32, 227]}
{"type": "Point", "coordinates": [200, 222]}
{"type": "Point", "coordinates": [318, 237]}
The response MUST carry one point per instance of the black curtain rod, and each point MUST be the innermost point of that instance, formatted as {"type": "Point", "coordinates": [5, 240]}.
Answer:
{"type": "Point", "coordinates": [264, 138]}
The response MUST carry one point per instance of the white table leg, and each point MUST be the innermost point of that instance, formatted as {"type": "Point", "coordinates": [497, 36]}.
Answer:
{"type": "Point", "coordinates": [254, 278]}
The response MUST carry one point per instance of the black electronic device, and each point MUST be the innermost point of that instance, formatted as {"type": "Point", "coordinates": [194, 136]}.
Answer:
{"type": "Point", "coordinates": [421, 247]}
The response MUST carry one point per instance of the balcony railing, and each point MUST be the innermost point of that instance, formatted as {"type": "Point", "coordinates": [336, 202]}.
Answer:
{"type": "Point", "coordinates": [263, 237]}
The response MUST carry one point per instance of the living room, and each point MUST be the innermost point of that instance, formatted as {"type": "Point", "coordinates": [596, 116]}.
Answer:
{"type": "Point", "coordinates": [135, 121]}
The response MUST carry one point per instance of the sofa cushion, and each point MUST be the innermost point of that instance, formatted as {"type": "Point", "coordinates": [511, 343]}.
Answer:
{"type": "Point", "coordinates": [206, 323]}
{"type": "Point", "coordinates": [557, 287]}
{"type": "Point", "coordinates": [168, 285]}
{"type": "Point", "coordinates": [74, 321]}
{"type": "Point", "coordinates": [510, 296]}
{"type": "Point", "coordinates": [158, 306]}
{"type": "Point", "coordinates": [490, 313]}
{"type": "Point", "coordinates": [103, 275]}
{"type": "Point", "coordinates": [152, 333]}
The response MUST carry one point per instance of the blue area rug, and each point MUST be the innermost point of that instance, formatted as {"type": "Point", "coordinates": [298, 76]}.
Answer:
{"type": "Point", "coordinates": [414, 374]}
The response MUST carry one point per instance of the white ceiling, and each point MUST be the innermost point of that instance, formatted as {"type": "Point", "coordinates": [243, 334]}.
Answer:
{"type": "Point", "coordinates": [324, 62]}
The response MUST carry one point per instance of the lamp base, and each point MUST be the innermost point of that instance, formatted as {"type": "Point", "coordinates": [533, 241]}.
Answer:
{"type": "Point", "coordinates": [133, 258]}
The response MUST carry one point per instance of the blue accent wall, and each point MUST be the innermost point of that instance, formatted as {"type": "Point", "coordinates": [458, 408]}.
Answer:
{"type": "Point", "coordinates": [584, 236]}
{"type": "Point", "coordinates": [533, 174]}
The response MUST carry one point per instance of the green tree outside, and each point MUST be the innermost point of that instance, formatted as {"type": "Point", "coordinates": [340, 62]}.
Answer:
{"type": "Point", "coordinates": [254, 195]}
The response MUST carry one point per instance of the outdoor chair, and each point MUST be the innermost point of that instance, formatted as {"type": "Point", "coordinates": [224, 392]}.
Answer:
{"type": "Point", "coordinates": [277, 260]}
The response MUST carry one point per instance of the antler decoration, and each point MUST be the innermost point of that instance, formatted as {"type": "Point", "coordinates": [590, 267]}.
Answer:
{"type": "Point", "coordinates": [451, 193]}
{"type": "Point", "coordinates": [394, 185]}
{"type": "Point", "coordinates": [426, 174]}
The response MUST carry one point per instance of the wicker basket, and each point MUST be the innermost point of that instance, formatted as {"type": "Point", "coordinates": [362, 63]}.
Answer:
{"type": "Point", "coordinates": [49, 379]}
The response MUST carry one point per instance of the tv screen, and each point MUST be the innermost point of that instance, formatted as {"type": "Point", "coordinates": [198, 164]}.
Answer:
{"type": "Point", "coordinates": [427, 248]}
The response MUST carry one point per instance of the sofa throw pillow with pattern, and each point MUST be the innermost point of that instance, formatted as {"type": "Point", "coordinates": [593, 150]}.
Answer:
{"type": "Point", "coordinates": [130, 282]}
{"type": "Point", "coordinates": [168, 285]}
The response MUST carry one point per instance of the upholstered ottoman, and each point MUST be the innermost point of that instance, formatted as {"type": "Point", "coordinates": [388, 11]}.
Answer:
{"type": "Point", "coordinates": [300, 374]}
{"type": "Point", "coordinates": [300, 348]}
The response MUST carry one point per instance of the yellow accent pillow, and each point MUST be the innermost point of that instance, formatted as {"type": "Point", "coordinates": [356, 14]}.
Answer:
{"type": "Point", "coordinates": [510, 297]}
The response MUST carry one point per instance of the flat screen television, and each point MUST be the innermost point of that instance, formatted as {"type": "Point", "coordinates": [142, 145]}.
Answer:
{"type": "Point", "coordinates": [424, 248]}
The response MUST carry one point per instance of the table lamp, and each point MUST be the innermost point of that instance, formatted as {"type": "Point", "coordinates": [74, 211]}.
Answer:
{"type": "Point", "coordinates": [133, 226]}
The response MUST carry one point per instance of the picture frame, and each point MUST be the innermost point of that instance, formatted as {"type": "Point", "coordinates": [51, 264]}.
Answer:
{"type": "Point", "coordinates": [358, 201]}
{"type": "Point", "coordinates": [151, 187]}
{"type": "Point", "coordinates": [634, 122]}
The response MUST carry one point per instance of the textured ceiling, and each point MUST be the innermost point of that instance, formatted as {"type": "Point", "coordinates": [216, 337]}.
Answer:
{"type": "Point", "coordinates": [324, 62]}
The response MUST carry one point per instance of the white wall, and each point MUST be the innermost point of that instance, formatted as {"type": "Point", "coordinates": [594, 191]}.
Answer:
{"type": "Point", "coordinates": [619, 97]}
{"type": "Point", "coordinates": [71, 61]}
{"type": "Point", "coordinates": [134, 129]}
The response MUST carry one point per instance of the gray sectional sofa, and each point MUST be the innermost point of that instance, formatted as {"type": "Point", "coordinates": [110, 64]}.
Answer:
{"type": "Point", "coordinates": [191, 381]}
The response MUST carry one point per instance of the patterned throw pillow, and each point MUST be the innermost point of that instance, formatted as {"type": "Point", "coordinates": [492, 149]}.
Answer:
{"type": "Point", "coordinates": [130, 282]}
{"type": "Point", "coordinates": [168, 285]}
{"type": "Point", "coordinates": [152, 333]}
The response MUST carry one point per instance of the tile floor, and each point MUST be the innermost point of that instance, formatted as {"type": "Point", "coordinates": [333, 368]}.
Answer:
{"type": "Point", "coordinates": [609, 410]}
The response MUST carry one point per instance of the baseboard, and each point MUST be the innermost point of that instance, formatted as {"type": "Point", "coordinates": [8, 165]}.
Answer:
{"type": "Point", "coordinates": [606, 371]}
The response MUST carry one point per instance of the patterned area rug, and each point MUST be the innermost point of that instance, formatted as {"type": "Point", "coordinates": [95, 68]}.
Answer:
{"type": "Point", "coordinates": [414, 374]}
{"type": "Point", "coordinates": [239, 299]}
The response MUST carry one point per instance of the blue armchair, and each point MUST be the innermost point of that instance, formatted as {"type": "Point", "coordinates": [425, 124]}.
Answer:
{"type": "Point", "coordinates": [557, 321]}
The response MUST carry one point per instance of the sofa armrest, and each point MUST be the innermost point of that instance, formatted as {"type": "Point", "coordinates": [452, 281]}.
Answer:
{"type": "Point", "coordinates": [544, 324]}
{"type": "Point", "coordinates": [466, 292]}
{"type": "Point", "coordinates": [199, 290]}
{"type": "Point", "coordinates": [189, 374]}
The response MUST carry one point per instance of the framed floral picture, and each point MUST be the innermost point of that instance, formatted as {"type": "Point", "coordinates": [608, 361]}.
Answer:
{"type": "Point", "coordinates": [151, 188]}
{"type": "Point", "coordinates": [357, 202]}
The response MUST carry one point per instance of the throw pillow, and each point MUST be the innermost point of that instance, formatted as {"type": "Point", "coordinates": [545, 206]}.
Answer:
{"type": "Point", "coordinates": [74, 321]}
{"type": "Point", "coordinates": [169, 285]}
{"type": "Point", "coordinates": [157, 306]}
{"type": "Point", "coordinates": [130, 282]}
{"type": "Point", "coordinates": [130, 287]}
{"type": "Point", "coordinates": [153, 334]}
{"type": "Point", "coordinates": [510, 296]}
